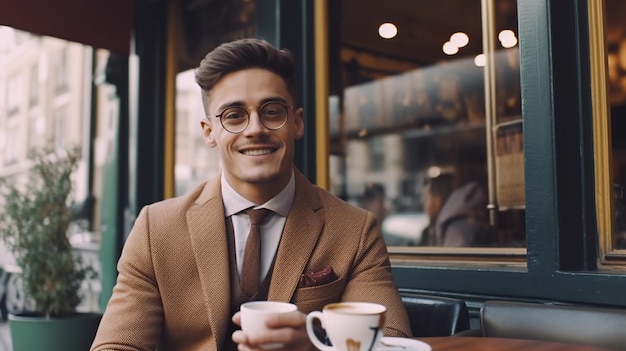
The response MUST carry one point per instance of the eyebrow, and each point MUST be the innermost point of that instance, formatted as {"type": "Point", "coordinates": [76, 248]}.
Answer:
{"type": "Point", "coordinates": [240, 103]}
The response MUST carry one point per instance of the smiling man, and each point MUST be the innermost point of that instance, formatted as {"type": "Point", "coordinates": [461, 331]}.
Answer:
{"type": "Point", "coordinates": [184, 270]}
{"type": "Point", "coordinates": [256, 153]}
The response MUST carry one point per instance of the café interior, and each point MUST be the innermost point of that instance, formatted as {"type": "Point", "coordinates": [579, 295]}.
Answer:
{"type": "Point", "coordinates": [500, 117]}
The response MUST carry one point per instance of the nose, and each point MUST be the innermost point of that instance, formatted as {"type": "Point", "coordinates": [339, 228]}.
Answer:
{"type": "Point", "coordinates": [254, 124]}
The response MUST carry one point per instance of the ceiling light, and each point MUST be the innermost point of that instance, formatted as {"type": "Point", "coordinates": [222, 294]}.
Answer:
{"type": "Point", "coordinates": [387, 30]}
{"type": "Point", "coordinates": [449, 48]}
{"type": "Point", "coordinates": [459, 39]}
{"type": "Point", "coordinates": [507, 38]}
{"type": "Point", "coordinates": [480, 60]}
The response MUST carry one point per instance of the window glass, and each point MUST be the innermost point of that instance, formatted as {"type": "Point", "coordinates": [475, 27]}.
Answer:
{"type": "Point", "coordinates": [34, 85]}
{"type": "Point", "coordinates": [616, 76]}
{"type": "Point", "coordinates": [420, 133]}
{"type": "Point", "coordinates": [61, 134]}
{"type": "Point", "coordinates": [36, 130]}
{"type": "Point", "coordinates": [12, 147]}
{"type": "Point", "coordinates": [195, 161]}
{"type": "Point", "coordinates": [14, 93]}
{"type": "Point", "coordinates": [62, 73]}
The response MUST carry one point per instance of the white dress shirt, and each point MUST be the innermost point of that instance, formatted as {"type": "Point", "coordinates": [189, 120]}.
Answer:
{"type": "Point", "coordinates": [271, 229]}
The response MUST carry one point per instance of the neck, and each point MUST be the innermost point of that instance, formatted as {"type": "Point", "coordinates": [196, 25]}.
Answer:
{"type": "Point", "coordinates": [260, 193]}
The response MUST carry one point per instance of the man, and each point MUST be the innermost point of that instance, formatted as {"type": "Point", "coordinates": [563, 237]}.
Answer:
{"type": "Point", "coordinates": [457, 216]}
{"type": "Point", "coordinates": [436, 190]}
{"type": "Point", "coordinates": [180, 272]}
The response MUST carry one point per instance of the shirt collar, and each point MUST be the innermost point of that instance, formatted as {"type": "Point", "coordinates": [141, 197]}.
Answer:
{"type": "Point", "coordinates": [235, 203]}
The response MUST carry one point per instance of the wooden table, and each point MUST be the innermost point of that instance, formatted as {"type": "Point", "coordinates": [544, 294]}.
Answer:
{"type": "Point", "coordinates": [500, 344]}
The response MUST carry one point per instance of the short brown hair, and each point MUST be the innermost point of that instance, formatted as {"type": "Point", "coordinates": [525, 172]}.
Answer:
{"type": "Point", "coordinates": [441, 185]}
{"type": "Point", "coordinates": [243, 54]}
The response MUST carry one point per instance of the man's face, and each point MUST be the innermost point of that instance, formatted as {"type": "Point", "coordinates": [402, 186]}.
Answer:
{"type": "Point", "coordinates": [432, 204]}
{"type": "Point", "coordinates": [258, 161]}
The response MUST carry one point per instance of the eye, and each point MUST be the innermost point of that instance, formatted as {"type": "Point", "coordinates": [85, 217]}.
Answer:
{"type": "Point", "coordinates": [273, 110]}
{"type": "Point", "coordinates": [234, 115]}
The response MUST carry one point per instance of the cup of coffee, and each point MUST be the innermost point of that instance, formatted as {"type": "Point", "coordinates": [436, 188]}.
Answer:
{"type": "Point", "coordinates": [350, 326]}
{"type": "Point", "coordinates": [254, 314]}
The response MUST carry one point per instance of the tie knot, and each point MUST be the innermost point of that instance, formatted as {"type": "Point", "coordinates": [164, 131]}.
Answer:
{"type": "Point", "coordinates": [257, 216]}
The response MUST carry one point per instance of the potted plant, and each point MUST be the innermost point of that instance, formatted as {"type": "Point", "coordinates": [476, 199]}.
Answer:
{"type": "Point", "coordinates": [35, 216]}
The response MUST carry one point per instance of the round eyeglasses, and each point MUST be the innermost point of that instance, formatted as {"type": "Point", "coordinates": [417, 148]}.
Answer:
{"type": "Point", "coordinates": [273, 115]}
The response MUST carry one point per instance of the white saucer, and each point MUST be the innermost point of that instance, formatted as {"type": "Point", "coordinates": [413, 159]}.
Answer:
{"type": "Point", "coordinates": [402, 344]}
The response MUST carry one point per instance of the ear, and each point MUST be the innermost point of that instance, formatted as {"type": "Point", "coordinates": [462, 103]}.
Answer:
{"type": "Point", "coordinates": [299, 122]}
{"type": "Point", "coordinates": [207, 131]}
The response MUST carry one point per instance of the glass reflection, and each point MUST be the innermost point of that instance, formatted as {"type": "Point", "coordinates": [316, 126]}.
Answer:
{"type": "Point", "coordinates": [616, 72]}
{"type": "Point", "coordinates": [408, 123]}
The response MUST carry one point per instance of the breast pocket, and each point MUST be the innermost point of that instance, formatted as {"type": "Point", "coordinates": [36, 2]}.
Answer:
{"type": "Point", "coordinates": [314, 298]}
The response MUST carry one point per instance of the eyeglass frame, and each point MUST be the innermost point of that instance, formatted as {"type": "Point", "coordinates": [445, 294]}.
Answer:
{"type": "Point", "coordinates": [258, 109]}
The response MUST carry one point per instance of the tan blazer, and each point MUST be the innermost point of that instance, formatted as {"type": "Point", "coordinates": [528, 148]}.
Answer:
{"type": "Point", "coordinates": [173, 287]}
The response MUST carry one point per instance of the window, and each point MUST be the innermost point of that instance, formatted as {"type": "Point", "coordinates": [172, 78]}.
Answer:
{"type": "Point", "coordinates": [14, 94]}
{"type": "Point", "coordinates": [195, 161]}
{"type": "Point", "coordinates": [432, 116]}
{"type": "Point", "coordinates": [12, 147]}
{"type": "Point", "coordinates": [34, 85]}
{"type": "Point", "coordinates": [61, 136]}
{"type": "Point", "coordinates": [612, 224]}
{"type": "Point", "coordinates": [36, 131]}
{"type": "Point", "coordinates": [62, 72]}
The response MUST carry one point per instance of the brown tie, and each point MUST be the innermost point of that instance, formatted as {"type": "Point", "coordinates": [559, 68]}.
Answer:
{"type": "Point", "coordinates": [250, 271]}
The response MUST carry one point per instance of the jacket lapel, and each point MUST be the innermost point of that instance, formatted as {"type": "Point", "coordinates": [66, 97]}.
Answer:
{"type": "Point", "coordinates": [207, 230]}
{"type": "Point", "coordinates": [302, 229]}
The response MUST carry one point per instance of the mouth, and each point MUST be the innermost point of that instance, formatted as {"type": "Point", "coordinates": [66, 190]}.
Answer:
{"type": "Point", "coordinates": [257, 152]}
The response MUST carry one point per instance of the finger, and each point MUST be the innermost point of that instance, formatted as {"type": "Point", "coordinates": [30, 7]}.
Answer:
{"type": "Point", "coordinates": [294, 319]}
{"type": "Point", "coordinates": [239, 337]}
{"type": "Point", "coordinates": [237, 318]}
{"type": "Point", "coordinates": [258, 340]}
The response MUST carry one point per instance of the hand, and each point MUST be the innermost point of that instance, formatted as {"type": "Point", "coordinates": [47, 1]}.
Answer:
{"type": "Point", "coordinates": [287, 328]}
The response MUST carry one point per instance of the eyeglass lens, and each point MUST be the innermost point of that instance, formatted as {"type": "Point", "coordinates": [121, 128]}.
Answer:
{"type": "Point", "coordinates": [235, 119]}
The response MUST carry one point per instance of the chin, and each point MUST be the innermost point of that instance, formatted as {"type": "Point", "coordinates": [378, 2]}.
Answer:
{"type": "Point", "coordinates": [260, 177]}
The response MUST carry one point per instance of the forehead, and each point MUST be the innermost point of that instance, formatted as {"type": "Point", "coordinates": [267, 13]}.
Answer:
{"type": "Point", "coordinates": [249, 86]}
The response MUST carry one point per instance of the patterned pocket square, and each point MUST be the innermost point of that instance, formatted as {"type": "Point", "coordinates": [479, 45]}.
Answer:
{"type": "Point", "coordinates": [324, 276]}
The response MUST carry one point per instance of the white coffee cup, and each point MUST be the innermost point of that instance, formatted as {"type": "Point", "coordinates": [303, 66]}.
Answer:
{"type": "Point", "coordinates": [254, 314]}
{"type": "Point", "coordinates": [350, 326]}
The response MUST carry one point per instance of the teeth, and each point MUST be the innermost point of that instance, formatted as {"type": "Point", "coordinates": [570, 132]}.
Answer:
{"type": "Point", "coordinates": [257, 152]}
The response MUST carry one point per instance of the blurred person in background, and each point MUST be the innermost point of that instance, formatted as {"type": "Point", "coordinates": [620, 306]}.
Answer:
{"type": "Point", "coordinates": [457, 215]}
